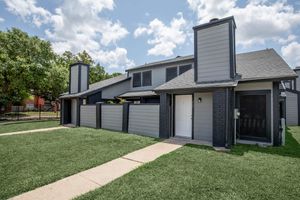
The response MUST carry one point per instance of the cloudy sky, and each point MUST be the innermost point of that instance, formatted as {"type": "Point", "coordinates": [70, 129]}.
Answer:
{"type": "Point", "coordinates": [120, 34]}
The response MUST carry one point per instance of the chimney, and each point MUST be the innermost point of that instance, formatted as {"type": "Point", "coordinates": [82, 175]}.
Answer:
{"type": "Point", "coordinates": [215, 50]}
{"type": "Point", "coordinates": [79, 77]}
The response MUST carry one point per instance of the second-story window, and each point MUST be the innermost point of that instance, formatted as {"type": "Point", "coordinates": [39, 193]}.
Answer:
{"type": "Point", "coordinates": [137, 81]}
{"type": "Point", "coordinates": [171, 73]}
{"type": "Point", "coordinates": [147, 78]}
{"type": "Point", "coordinates": [184, 68]}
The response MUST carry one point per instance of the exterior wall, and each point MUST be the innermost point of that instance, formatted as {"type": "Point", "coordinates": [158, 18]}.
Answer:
{"type": "Point", "coordinates": [74, 79]}
{"type": "Point", "coordinates": [297, 80]}
{"type": "Point", "coordinates": [112, 117]}
{"type": "Point", "coordinates": [74, 111]}
{"type": "Point", "coordinates": [203, 117]}
{"type": "Point", "coordinates": [84, 78]}
{"type": "Point", "coordinates": [88, 115]}
{"type": "Point", "coordinates": [213, 53]}
{"type": "Point", "coordinates": [115, 90]}
{"type": "Point", "coordinates": [291, 108]}
{"type": "Point", "coordinates": [144, 120]}
{"type": "Point", "coordinates": [254, 86]}
{"type": "Point", "coordinates": [158, 75]}
{"type": "Point", "coordinates": [94, 98]}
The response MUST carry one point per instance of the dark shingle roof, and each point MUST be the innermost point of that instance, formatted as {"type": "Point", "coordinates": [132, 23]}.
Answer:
{"type": "Point", "coordinates": [97, 86]}
{"type": "Point", "coordinates": [257, 65]}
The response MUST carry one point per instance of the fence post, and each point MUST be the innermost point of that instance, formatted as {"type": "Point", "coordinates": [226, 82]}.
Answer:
{"type": "Point", "coordinates": [98, 115]}
{"type": "Point", "coordinates": [125, 116]}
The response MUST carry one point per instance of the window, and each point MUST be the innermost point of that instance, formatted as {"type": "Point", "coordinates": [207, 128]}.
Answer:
{"type": "Point", "coordinates": [147, 78]}
{"type": "Point", "coordinates": [184, 68]}
{"type": "Point", "coordinates": [136, 82]}
{"type": "Point", "coordinates": [171, 73]}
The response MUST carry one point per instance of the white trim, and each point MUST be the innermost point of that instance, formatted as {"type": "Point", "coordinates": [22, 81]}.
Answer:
{"type": "Point", "coordinates": [254, 142]}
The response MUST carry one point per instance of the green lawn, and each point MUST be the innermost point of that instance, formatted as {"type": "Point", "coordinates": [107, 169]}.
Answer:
{"type": "Point", "coordinates": [26, 125]}
{"type": "Point", "coordinates": [197, 172]}
{"type": "Point", "coordinates": [32, 160]}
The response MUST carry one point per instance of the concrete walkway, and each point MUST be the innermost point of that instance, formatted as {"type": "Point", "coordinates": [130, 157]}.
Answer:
{"type": "Point", "coordinates": [101, 175]}
{"type": "Point", "coordinates": [33, 131]}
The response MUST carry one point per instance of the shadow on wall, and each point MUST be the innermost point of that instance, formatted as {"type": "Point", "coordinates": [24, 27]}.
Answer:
{"type": "Point", "coordinates": [291, 149]}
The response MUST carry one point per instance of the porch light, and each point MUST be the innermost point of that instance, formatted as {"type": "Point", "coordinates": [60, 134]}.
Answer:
{"type": "Point", "coordinates": [199, 100]}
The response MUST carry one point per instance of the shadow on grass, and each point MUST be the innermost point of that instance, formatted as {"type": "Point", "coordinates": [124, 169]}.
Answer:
{"type": "Point", "coordinates": [3, 123]}
{"type": "Point", "coordinates": [291, 148]}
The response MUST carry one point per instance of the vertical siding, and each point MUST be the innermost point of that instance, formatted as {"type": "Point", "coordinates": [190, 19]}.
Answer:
{"type": "Point", "coordinates": [291, 108]}
{"type": "Point", "coordinates": [73, 111]}
{"type": "Point", "coordinates": [203, 117]}
{"type": "Point", "coordinates": [144, 120]}
{"type": "Point", "coordinates": [115, 90]}
{"type": "Point", "coordinates": [112, 117]}
{"type": "Point", "coordinates": [74, 79]}
{"type": "Point", "coordinates": [84, 79]}
{"type": "Point", "coordinates": [297, 80]}
{"type": "Point", "coordinates": [213, 53]}
{"type": "Point", "coordinates": [88, 115]}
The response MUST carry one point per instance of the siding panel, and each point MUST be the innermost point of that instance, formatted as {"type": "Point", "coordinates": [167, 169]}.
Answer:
{"type": "Point", "coordinates": [73, 111]}
{"type": "Point", "coordinates": [111, 117]}
{"type": "Point", "coordinates": [115, 90]}
{"type": "Point", "coordinates": [213, 53]}
{"type": "Point", "coordinates": [74, 79]}
{"type": "Point", "coordinates": [144, 120]}
{"type": "Point", "coordinates": [203, 117]}
{"type": "Point", "coordinates": [84, 80]}
{"type": "Point", "coordinates": [88, 115]}
{"type": "Point", "coordinates": [291, 108]}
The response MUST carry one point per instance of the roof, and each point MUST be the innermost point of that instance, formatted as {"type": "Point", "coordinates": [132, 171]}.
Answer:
{"type": "Point", "coordinates": [257, 65]}
{"type": "Point", "coordinates": [97, 86]}
{"type": "Point", "coordinates": [168, 61]}
{"type": "Point", "coordinates": [138, 94]}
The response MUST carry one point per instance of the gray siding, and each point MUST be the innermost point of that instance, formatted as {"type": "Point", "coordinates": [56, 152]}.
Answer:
{"type": "Point", "coordinates": [291, 108]}
{"type": "Point", "coordinates": [84, 79]}
{"type": "Point", "coordinates": [74, 79]}
{"type": "Point", "coordinates": [213, 53]}
{"type": "Point", "coordinates": [144, 120]}
{"type": "Point", "coordinates": [203, 117]}
{"type": "Point", "coordinates": [298, 80]}
{"type": "Point", "coordinates": [158, 75]}
{"type": "Point", "coordinates": [88, 115]}
{"type": "Point", "coordinates": [111, 117]}
{"type": "Point", "coordinates": [115, 90]}
{"type": "Point", "coordinates": [73, 111]}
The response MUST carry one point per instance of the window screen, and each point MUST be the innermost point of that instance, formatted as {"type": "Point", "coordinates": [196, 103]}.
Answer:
{"type": "Point", "coordinates": [171, 73]}
{"type": "Point", "coordinates": [147, 78]}
{"type": "Point", "coordinates": [136, 80]}
{"type": "Point", "coordinates": [184, 68]}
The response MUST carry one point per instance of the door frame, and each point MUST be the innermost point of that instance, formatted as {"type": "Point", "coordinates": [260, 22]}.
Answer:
{"type": "Point", "coordinates": [174, 113]}
{"type": "Point", "coordinates": [267, 94]}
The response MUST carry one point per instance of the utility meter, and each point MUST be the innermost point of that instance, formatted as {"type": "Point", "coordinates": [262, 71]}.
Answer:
{"type": "Point", "coordinates": [236, 113]}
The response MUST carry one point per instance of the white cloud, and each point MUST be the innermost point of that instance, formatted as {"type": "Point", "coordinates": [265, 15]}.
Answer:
{"type": "Point", "coordinates": [28, 11]}
{"type": "Point", "coordinates": [1, 19]}
{"type": "Point", "coordinates": [257, 22]}
{"type": "Point", "coordinates": [164, 39]}
{"type": "Point", "coordinates": [78, 25]}
{"type": "Point", "coordinates": [291, 52]}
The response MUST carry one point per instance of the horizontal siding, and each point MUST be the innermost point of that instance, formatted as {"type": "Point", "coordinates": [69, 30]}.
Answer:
{"type": "Point", "coordinates": [115, 90]}
{"type": "Point", "coordinates": [111, 117]}
{"type": "Point", "coordinates": [88, 116]}
{"type": "Point", "coordinates": [291, 108]}
{"type": "Point", "coordinates": [203, 117]}
{"type": "Point", "coordinates": [84, 80]}
{"type": "Point", "coordinates": [74, 79]}
{"type": "Point", "coordinates": [144, 120]}
{"type": "Point", "coordinates": [213, 53]}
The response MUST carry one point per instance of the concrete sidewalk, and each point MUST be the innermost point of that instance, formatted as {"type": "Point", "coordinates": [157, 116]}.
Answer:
{"type": "Point", "coordinates": [33, 131]}
{"type": "Point", "coordinates": [99, 176]}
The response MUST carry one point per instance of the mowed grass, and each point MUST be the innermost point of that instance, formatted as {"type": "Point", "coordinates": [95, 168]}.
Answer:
{"type": "Point", "coordinates": [26, 125]}
{"type": "Point", "coordinates": [32, 160]}
{"type": "Point", "coordinates": [197, 172]}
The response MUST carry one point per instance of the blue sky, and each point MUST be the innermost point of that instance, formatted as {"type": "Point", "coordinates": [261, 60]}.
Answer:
{"type": "Point", "coordinates": [121, 34]}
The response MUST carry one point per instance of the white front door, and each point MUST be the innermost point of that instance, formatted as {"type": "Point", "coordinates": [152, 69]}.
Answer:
{"type": "Point", "coordinates": [183, 116]}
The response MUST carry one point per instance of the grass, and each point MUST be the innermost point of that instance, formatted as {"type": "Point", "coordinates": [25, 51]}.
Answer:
{"type": "Point", "coordinates": [32, 160]}
{"type": "Point", "coordinates": [197, 172]}
{"type": "Point", "coordinates": [26, 125]}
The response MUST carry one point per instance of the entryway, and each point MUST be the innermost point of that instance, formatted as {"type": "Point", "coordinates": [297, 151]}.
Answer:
{"type": "Point", "coordinates": [183, 116]}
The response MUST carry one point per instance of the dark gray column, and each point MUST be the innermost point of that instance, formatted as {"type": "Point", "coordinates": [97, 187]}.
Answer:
{"type": "Point", "coordinates": [79, 103]}
{"type": "Point", "coordinates": [125, 116]}
{"type": "Point", "coordinates": [223, 105]}
{"type": "Point", "coordinates": [61, 112]}
{"type": "Point", "coordinates": [164, 116]}
{"type": "Point", "coordinates": [98, 115]}
{"type": "Point", "coordinates": [276, 117]}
